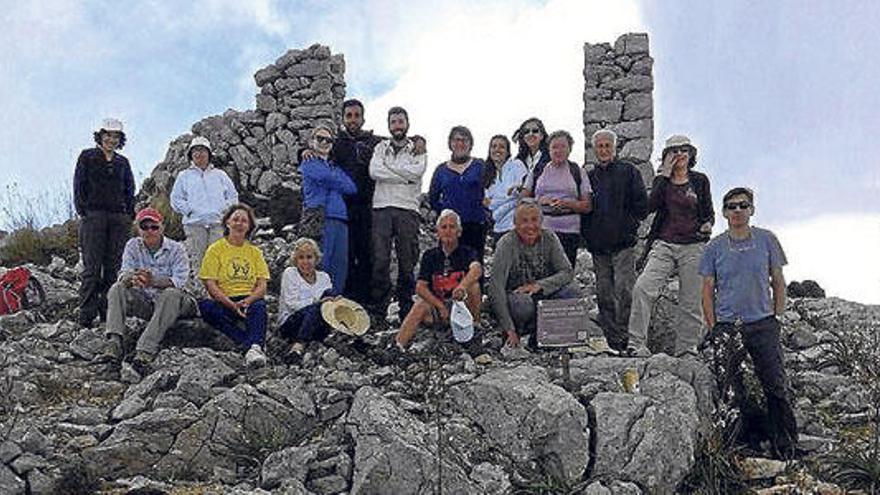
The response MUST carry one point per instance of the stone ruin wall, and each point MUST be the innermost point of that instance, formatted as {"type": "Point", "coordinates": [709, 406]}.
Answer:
{"type": "Point", "coordinates": [258, 147]}
{"type": "Point", "coordinates": [618, 95]}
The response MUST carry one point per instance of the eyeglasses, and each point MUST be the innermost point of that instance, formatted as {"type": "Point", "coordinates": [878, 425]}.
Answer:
{"type": "Point", "coordinates": [150, 226]}
{"type": "Point", "coordinates": [680, 149]}
{"type": "Point", "coordinates": [324, 139]}
{"type": "Point", "coordinates": [531, 130]}
{"type": "Point", "coordinates": [741, 205]}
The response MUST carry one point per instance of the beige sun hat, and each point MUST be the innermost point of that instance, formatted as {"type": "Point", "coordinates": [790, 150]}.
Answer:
{"type": "Point", "coordinates": [346, 316]}
{"type": "Point", "coordinates": [111, 124]}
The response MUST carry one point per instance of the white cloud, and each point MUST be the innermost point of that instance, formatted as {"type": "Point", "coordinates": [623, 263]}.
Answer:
{"type": "Point", "coordinates": [490, 67]}
{"type": "Point", "coordinates": [838, 251]}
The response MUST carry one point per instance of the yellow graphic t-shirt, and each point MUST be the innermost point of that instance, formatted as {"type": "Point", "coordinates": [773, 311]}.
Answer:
{"type": "Point", "coordinates": [235, 268]}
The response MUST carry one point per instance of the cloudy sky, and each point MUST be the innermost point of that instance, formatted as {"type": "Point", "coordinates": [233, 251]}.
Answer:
{"type": "Point", "coordinates": [780, 96]}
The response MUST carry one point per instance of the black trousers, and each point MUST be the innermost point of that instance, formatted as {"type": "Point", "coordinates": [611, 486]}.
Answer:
{"type": "Point", "coordinates": [570, 243]}
{"type": "Point", "coordinates": [474, 235]}
{"type": "Point", "coordinates": [761, 341]}
{"type": "Point", "coordinates": [397, 228]}
{"type": "Point", "coordinates": [102, 238]}
{"type": "Point", "coordinates": [360, 254]}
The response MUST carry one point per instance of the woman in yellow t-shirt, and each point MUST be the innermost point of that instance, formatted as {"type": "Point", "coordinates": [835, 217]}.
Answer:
{"type": "Point", "coordinates": [235, 276]}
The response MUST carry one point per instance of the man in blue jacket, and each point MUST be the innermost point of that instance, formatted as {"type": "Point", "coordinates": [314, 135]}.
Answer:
{"type": "Point", "coordinates": [103, 195]}
{"type": "Point", "coordinates": [619, 204]}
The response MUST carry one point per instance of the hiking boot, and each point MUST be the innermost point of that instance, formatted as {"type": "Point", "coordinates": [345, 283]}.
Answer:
{"type": "Point", "coordinates": [638, 351]}
{"type": "Point", "coordinates": [111, 352]}
{"type": "Point", "coordinates": [85, 321]}
{"type": "Point", "coordinates": [142, 363]}
{"type": "Point", "coordinates": [255, 357]}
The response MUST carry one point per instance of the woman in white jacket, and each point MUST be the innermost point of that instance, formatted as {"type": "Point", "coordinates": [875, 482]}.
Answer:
{"type": "Point", "coordinates": [504, 186]}
{"type": "Point", "coordinates": [303, 289]}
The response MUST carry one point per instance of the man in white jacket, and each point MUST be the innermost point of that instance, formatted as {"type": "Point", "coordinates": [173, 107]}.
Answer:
{"type": "Point", "coordinates": [397, 167]}
{"type": "Point", "coordinates": [201, 194]}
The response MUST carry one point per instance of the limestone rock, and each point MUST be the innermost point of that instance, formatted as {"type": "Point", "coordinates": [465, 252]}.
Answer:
{"type": "Point", "coordinates": [529, 419]}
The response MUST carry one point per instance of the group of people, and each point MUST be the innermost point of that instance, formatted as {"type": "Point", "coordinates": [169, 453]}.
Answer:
{"type": "Point", "coordinates": [537, 206]}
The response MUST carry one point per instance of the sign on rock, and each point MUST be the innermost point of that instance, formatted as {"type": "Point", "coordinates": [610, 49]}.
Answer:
{"type": "Point", "coordinates": [565, 323]}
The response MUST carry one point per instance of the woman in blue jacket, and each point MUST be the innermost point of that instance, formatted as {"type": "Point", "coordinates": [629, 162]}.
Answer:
{"type": "Point", "coordinates": [324, 185]}
{"type": "Point", "coordinates": [504, 185]}
{"type": "Point", "coordinates": [457, 185]}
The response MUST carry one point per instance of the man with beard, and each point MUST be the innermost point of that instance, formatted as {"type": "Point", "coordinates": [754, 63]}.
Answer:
{"type": "Point", "coordinates": [352, 151]}
{"type": "Point", "coordinates": [397, 167]}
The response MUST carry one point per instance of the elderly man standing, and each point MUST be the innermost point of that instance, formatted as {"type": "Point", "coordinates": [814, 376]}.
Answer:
{"type": "Point", "coordinates": [619, 204]}
{"type": "Point", "coordinates": [529, 265]}
{"type": "Point", "coordinates": [103, 194]}
{"type": "Point", "coordinates": [397, 167]}
{"type": "Point", "coordinates": [744, 292]}
{"type": "Point", "coordinates": [201, 194]}
{"type": "Point", "coordinates": [154, 271]}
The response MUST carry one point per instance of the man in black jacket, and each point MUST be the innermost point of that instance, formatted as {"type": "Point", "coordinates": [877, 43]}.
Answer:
{"type": "Point", "coordinates": [619, 204]}
{"type": "Point", "coordinates": [352, 151]}
{"type": "Point", "coordinates": [103, 194]}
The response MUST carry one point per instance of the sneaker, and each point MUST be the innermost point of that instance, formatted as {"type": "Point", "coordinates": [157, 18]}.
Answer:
{"type": "Point", "coordinates": [254, 357]}
{"type": "Point", "coordinates": [111, 352]}
{"type": "Point", "coordinates": [141, 363]}
{"type": "Point", "coordinates": [298, 348]}
{"type": "Point", "coordinates": [638, 351]}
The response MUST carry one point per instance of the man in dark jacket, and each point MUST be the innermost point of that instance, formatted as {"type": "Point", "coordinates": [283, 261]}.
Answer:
{"type": "Point", "coordinates": [619, 204]}
{"type": "Point", "coordinates": [352, 151]}
{"type": "Point", "coordinates": [103, 194]}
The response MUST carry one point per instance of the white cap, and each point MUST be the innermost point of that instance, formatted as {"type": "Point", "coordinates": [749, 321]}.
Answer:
{"type": "Point", "coordinates": [677, 140]}
{"type": "Point", "coordinates": [110, 124]}
{"type": "Point", "coordinates": [199, 141]}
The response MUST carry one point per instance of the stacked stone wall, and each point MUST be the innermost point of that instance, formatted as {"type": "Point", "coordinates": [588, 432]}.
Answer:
{"type": "Point", "coordinates": [618, 94]}
{"type": "Point", "coordinates": [258, 148]}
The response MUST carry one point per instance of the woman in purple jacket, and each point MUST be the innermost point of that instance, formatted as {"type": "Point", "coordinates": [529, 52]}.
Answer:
{"type": "Point", "coordinates": [324, 185]}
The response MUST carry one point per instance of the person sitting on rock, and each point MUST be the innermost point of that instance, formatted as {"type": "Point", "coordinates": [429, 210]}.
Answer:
{"type": "Point", "coordinates": [235, 276]}
{"type": "Point", "coordinates": [529, 265]}
{"type": "Point", "coordinates": [154, 271]}
{"type": "Point", "coordinates": [324, 185]}
{"type": "Point", "coordinates": [744, 292]}
{"type": "Point", "coordinates": [303, 289]}
{"type": "Point", "coordinates": [450, 271]}
{"type": "Point", "coordinates": [201, 194]}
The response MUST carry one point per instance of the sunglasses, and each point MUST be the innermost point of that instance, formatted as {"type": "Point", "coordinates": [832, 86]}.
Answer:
{"type": "Point", "coordinates": [150, 226]}
{"type": "Point", "coordinates": [742, 205]}
{"type": "Point", "coordinates": [679, 149]}
{"type": "Point", "coordinates": [324, 140]}
{"type": "Point", "coordinates": [531, 130]}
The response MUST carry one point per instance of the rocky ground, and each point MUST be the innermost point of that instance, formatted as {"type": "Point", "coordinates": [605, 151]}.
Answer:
{"type": "Point", "coordinates": [354, 418]}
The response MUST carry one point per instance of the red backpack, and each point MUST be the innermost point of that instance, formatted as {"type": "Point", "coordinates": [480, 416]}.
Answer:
{"type": "Point", "coordinates": [19, 290]}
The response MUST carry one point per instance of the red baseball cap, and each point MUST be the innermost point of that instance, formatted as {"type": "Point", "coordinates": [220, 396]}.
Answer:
{"type": "Point", "coordinates": [148, 213]}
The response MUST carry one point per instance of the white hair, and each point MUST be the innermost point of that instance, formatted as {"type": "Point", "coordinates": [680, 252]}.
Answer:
{"type": "Point", "coordinates": [304, 244]}
{"type": "Point", "coordinates": [605, 133]}
{"type": "Point", "coordinates": [449, 213]}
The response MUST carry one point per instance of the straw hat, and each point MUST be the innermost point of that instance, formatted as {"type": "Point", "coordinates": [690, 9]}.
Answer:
{"type": "Point", "coordinates": [346, 316]}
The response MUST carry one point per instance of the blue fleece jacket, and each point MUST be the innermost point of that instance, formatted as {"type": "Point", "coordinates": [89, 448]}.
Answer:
{"type": "Point", "coordinates": [324, 184]}
{"type": "Point", "coordinates": [462, 193]}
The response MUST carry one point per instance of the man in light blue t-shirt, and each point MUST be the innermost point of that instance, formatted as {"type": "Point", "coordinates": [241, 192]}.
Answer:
{"type": "Point", "coordinates": [743, 291]}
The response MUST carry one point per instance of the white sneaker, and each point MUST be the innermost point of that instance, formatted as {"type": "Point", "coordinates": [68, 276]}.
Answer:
{"type": "Point", "coordinates": [639, 351]}
{"type": "Point", "coordinates": [254, 357]}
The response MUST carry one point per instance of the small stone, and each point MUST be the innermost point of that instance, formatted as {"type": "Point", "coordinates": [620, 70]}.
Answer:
{"type": "Point", "coordinates": [483, 359]}
{"type": "Point", "coordinates": [757, 468]}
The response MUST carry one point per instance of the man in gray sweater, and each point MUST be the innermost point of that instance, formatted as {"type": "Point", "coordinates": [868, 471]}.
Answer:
{"type": "Point", "coordinates": [529, 265]}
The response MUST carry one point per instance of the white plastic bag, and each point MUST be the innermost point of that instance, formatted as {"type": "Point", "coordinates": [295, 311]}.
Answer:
{"type": "Point", "coordinates": [462, 322]}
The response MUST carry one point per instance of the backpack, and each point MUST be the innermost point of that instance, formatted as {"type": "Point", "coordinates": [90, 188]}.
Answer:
{"type": "Point", "coordinates": [575, 170]}
{"type": "Point", "coordinates": [19, 290]}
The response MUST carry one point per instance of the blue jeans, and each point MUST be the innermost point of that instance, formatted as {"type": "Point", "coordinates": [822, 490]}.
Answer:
{"type": "Point", "coordinates": [225, 320]}
{"type": "Point", "coordinates": [305, 325]}
{"type": "Point", "coordinates": [334, 244]}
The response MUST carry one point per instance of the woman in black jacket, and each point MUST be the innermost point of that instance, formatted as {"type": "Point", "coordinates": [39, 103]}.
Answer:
{"type": "Point", "coordinates": [682, 201]}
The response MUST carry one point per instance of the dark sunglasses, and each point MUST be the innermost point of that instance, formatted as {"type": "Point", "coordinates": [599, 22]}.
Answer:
{"type": "Point", "coordinates": [742, 205]}
{"type": "Point", "coordinates": [679, 149]}
{"type": "Point", "coordinates": [324, 140]}
{"type": "Point", "coordinates": [531, 130]}
{"type": "Point", "coordinates": [150, 226]}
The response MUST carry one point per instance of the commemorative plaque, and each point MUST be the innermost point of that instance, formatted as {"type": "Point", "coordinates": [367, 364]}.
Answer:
{"type": "Point", "coordinates": [567, 323]}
